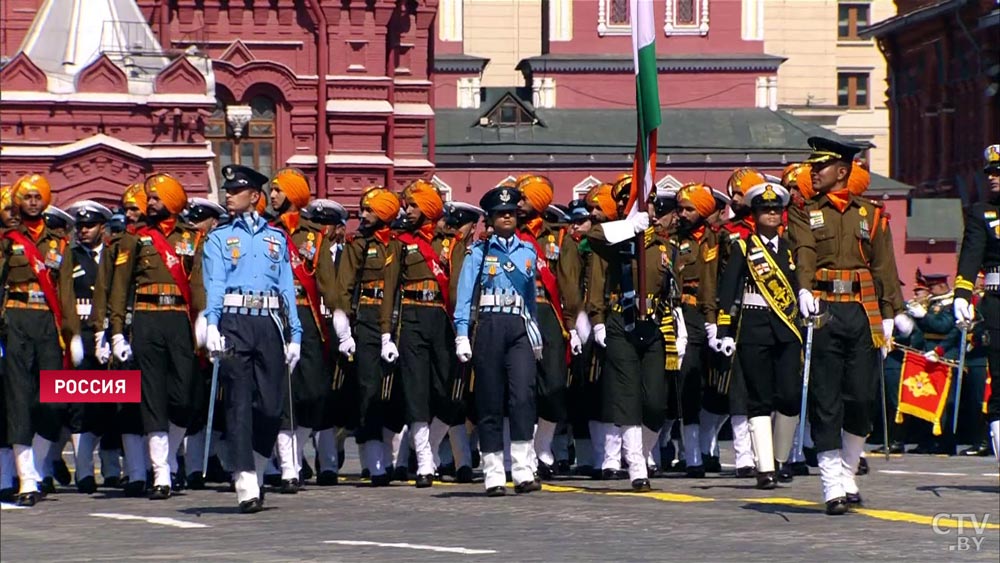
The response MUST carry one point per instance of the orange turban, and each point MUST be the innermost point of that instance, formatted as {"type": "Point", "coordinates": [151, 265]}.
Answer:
{"type": "Point", "coordinates": [537, 190]}
{"type": "Point", "coordinates": [799, 176]}
{"type": "Point", "coordinates": [859, 180]}
{"type": "Point", "coordinates": [6, 197]}
{"type": "Point", "coordinates": [700, 196]}
{"type": "Point", "coordinates": [169, 190]}
{"type": "Point", "coordinates": [293, 184]}
{"type": "Point", "coordinates": [33, 183]}
{"type": "Point", "coordinates": [135, 195]}
{"type": "Point", "coordinates": [382, 202]}
{"type": "Point", "coordinates": [600, 197]}
{"type": "Point", "coordinates": [425, 196]}
{"type": "Point", "coordinates": [742, 179]}
{"type": "Point", "coordinates": [261, 207]}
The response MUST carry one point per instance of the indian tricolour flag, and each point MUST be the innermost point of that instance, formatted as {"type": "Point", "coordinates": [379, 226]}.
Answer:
{"type": "Point", "coordinates": [647, 102]}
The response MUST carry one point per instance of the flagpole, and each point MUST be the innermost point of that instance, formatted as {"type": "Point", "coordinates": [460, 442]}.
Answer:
{"type": "Point", "coordinates": [640, 238]}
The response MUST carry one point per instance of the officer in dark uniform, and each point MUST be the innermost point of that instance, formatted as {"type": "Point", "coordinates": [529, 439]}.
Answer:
{"type": "Point", "coordinates": [758, 306]}
{"type": "Point", "coordinates": [249, 286]}
{"type": "Point", "coordinates": [76, 292]}
{"type": "Point", "coordinates": [497, 285]}
{"type": "Point", "coordinates": [843, 254]}
{"type": "Point", "coordinates": [58, 221]}
{"type": "Point", "coordinates": [981, 251]}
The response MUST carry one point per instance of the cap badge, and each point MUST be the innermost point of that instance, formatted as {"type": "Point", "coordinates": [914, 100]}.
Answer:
{"type": "Point", "coordinates": [505, 196]}
{"type": "Point", "coordinates": [229, 173]}
{"type": "Point", "coordinates": [769, 194]}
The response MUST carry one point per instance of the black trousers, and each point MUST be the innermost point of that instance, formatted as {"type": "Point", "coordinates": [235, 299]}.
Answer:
{"type": "Point", "coordinates": [505, 371]}
{"type": "Point", "coordinates": [989, 306]}
{"type": "Point", "coordinates": [164, 350]}
{"type": "Point", "coordinates": [552, 369]}
{"type": "Point", "coordinates": [843, 378]}
{"type": "Point", "coordinates": [96, 418]}
{"type": "Point", "coordinates": [772, 373]}
{"type": "Point", "coordinates": [32, 345]}
{"type": "Point", "coordinates": [312, 377]}
{"type": "Point", "coordinates": [255, 386]}
{"type": "Point", "coordinates": [633, 384]}
{"type": "Point", "coordinates": [693, 376]}
{"type": "Point", "coordinates": [369, 370]}
{"type": "Point", "coordinates": [584, 395]}
{"type": "Point", "coordinates": [427, 365]}
{"type": "Point", "coordinates": [201, 396]}
{"type": "Point", "coordinates": [737, 388]}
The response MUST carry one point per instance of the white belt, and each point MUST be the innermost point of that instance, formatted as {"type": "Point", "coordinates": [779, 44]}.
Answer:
{"type": "Point", "coordinates": [83, 309]}
{"type": "Point", "coordinates": [251, 301]}
{"type": "Point", "coordinates": [993, 278]}
{"type": "Point", "coordinates": [497, 300]}
{"type": "Point", "coordinates": [754, 300]}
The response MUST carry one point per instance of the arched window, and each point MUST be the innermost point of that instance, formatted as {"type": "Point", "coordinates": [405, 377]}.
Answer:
{"type": "Point", "coordinates": [243, 134]}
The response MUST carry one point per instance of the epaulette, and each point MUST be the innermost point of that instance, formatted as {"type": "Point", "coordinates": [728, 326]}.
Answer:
{"type": "Point", "coordinates": [875, 202]}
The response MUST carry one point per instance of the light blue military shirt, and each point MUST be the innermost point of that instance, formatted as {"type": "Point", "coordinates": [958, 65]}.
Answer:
{"type": "Point", "coordinates": [494, 280]}
{"type": "Point", "coordinates": [248, 255]}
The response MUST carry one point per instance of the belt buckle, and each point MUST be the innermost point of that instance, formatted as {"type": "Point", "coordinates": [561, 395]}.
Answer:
{"type": "Point", "coordinates": [509, 300]}
{"type": "Point", "coordinates": [36, 297]}
{"type": "Point", "coordinates": [166, 300]}
{"type": "Point", "coordinates": [427, 294]}
{"type": "Point", "coordinates": [843, 286]}
{"type": "Point", "coordinates": [254, 302]}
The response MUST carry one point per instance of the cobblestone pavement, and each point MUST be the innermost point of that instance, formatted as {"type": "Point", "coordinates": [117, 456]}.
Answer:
{"type": "Point", "coordinates": [914, 505]}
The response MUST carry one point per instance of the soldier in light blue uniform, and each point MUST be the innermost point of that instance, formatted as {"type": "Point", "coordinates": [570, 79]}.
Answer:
{"type": "Point", "coordinates": [497, 284]}
{"type": "Point", "coordinates": [249, 292]}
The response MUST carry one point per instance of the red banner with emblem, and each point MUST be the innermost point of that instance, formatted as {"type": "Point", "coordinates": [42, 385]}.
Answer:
{"type": "Point", "coordinates": [172, 262]}
{"type": "Point", "coordinates": [431, 258]}
{"type": "Point", "coordinates": [308, 283]}
{"type": "Point", "coordinates": [923, 389]}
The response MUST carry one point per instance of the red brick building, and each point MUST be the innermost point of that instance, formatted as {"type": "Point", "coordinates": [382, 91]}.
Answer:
{"type": "Point", "coordinates": [96, 93]}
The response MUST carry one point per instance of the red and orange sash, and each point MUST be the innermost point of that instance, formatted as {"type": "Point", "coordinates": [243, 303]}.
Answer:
{"type": "Point", "coordinates": [431, 258]}
{"type": "Point", "coordinates": [172, 262]}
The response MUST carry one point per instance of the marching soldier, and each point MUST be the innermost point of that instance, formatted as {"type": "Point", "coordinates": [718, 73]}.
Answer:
{"type": "Point", "coordinates": [250, 284]}
{"type": "Point", "coordinates": [160, 260]}
{"type": "Point", "coordinates": [559, 302]}
{"type": "Point", "coordinates": [76, 292]}
{"type": "Point", "coordinates": [9, 218]}
{"type": "Point", "coordinates": [496, 308]}
{"type": "Point", "coordinates": [758, 315]}
{"type": "Point", "coordinates": [315, 278]}
{"type": "Point", "coordinates": [360, 285]}
{"type": "Point", "coordinates": [30, 258]}
{"type": "Point", "coordinates": [981, 251]}
{"type": "Point", "coordinates": [843, 255]}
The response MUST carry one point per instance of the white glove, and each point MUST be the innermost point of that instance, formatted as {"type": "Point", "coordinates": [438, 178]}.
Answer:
{"type": "Point", "coordinates": [538, 352]}
{"type": "Point", "coordinates": [76, 350]}
{"type": "Point", "coordinates": [101, 348]}
{"type": "Point", "coordinates": [200, 330]}
{"type": "Point", "coordinates": [121, 348]}
{"type": "Point", "coordinates": [916, 310]}
{"type": "Point", "coordinates": [932, 356]}
{"type": "Point", "coordinates": [214, 342]}
{"type": "Point", "coordinates": [389, 352]}
{"type": "Point", "coordinates": [342, 326]}
{"type": "Point", "coordinates": [887, 326]}
{"type": "Point", "coordinates": [727, 346]}
{"type": "Point", "coordinates": [904, 324]}
{"type": "Point", "coordinates": [808, 305]}
{"type": "Point", "coordinates": [964, 312]}
{"type": "Point", "coordinates": [583, 326]}
{"type": "Point", "coordinates": [293, 352]}
{"type": "Point", "coordinates": [682, 335]}
{"type": "Point", "coordinates": [575, 346]}
{"type": "Point", "coordinates": [713, 331]}
{"type": "Point", "coordinates": [714, 344]}
{"type": "Point", "coordinates": [463, 348]}
{"type": "Point", "coordinates": [639, 222]}
{"type": "Point", "coordinates": [600, 334]}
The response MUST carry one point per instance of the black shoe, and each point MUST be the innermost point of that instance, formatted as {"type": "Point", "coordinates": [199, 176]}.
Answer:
{"type": "Point", "coordinates": [667, 454]}
{"type": "Point", "coordinates": [216, 474]}
{"type": "Point", "coordinates": [47, 486]}
{"type": "Point", "coordinates": [447, 470]}
{"type": "Point", "coordinates": [195, 481]}
{"type": "Point", "coordinates": [289, 486]}
{"type": "Point", "coordinates": [306, 472]}
{"type": "Point", "coordinates": [87, 485]}
{"type": "Point", "coordinates": [653, 471]}
{"type": "Point", "coordinates": [766, 480]}
{"type": "Point", "coordinates": [620, 475]}
{"type": "Point", "coordinates": [894, 448]}
{"type": "Point", "coordinates": [464, 474]}
{"type": "Point", "coordinates": [365, 473]}
{"type": "Point", "coordinates": [251, 506]}
{"type": "Point", "coordinates": [711, 463]}
{"type": "Point", "coordinates": [61, 472]}
{"type": "Point", "coordinates": [28, 499]}
{"type": "Point", "coordinates": [8, 495]}
{"type": "Point", "coordinates": [563, 467]}
{"type": "Point", "coordinates": [934, 448]}
{"type": "Point", "coordinates": [608, 474]}
{"type": "Point", "coordinates": [982, 450]}
{"type": "Point", "coordinates": [862, 467]}
{"type": "Point", "coordinates": [400, 474]}
{"type": "Point", "coordinates": [527, 487]}
{"type": "Point", "coordinates": [177, 481]}
{"type": "Point", "coordinates": [475, 458]}
{"type": "Point", "coordinates": [497, 491]}
{"type": "Point", "coordinates": [695, 472]}
{"type": "Point", "coordinates": [854, 499]}
{"type": "Point", "coordinates": [424, 481]}
{"type": "Point", "coordinates": [114, 482]}
{"type": "Point", "coordinates": [837, 506]}
{"type": "Point", "coordinates": [679, 467]}
{"type": "Point", "coordinates": [159, 492]}
{"type": "Point", "coordinates": [799, 468]}
{"type": "Point", "coordinates": [641, 486]}
{"type": "Point", "coordinates": [341, 458]}
{"type": "Point", "coordinates": [785, 472]}
{"type": "Point", "coordinates": [273, 480]}
{"type": "Point", "coordinates": [746, 472]}
{"type": "Point", "coordinates": [380, 480]}
{"type": "Point", "coordinates": [544, 471]}
{"type": "Point", "coordinates": [584, 470]}
{"type": "Point", "coordinates": [135, 489]}
{"type": "Point", "coordinates": [327, 478]}
{"type": "Point", "coordinates": [811, 457]}
{"type": "Point", "coordinates": [231, 488]}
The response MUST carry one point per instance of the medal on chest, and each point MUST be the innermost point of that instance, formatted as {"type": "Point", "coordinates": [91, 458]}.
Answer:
{"type": "Point", "coordinates": [664, 257]}
{"type": "Point", "coordinates": [491, 263]}
{"type": "Point", "coordinates": [756, 258]}
{"type": "Point", "coordinates": [866, 233]}
{"type": "Point", "coordinates": [184, 247]}
{"type": "Point", "coordinates": [233, 248]}
{"type": "Point", "coordinates": [273, 248]}
{"type": "Point", "coordinates": [52, 257]}
{"type": "Point", "coordinates": [816, 220]}
{"type": "Point", "coordinates": [551, 248]}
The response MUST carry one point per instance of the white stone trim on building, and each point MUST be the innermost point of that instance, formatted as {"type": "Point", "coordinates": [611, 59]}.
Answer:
{"type": "Point", "coordinates": [767, 92]}
{"type": "Point", "coordinates": [699, 27]}
{"type": "Point", "coordinates": [560, 20]}
{"type": "Point", "coordinates": [543, 92]}
{"type": "Point", "coordinates": [752, 22]}
{"type": "Point", "coordinates": [442, 188]}
{"type": "Point", "coordinates": [468, 92]}
{"type": "Point", "coordinates": [450, 20]}
{"type": "Point", "coordinates": [604, 24]}
{"type": "Point", "coordinates": [138, 151]}
{"type": "Point", "coordinates": [666, 184]}
{"type": "Point", "coordinates": [580, 190]}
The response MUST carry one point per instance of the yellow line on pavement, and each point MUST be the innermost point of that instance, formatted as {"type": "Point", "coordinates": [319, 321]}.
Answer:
{"type": "Point", "coordinates": [896, 516]}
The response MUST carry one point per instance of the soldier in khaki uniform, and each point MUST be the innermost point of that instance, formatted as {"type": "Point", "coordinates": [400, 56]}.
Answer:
{"type": "Point", "coordinates": [9, 217]}
{"type": "Point", "coordinates": [843, 254]}
{"type": "Point", "coordinates": [162, 261]}
{"type": "Point", "coordinates": [315, 278]}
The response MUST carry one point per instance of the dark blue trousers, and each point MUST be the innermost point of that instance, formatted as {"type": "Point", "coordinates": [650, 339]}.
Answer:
{"type": "Point", "coordinates": [254, 382]}
{"type": "Point", "coordinates": [505, 371]}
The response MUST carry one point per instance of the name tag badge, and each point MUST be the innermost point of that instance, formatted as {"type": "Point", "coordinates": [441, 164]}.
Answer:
{"type": "Point", "coordinates": [816, 219]}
